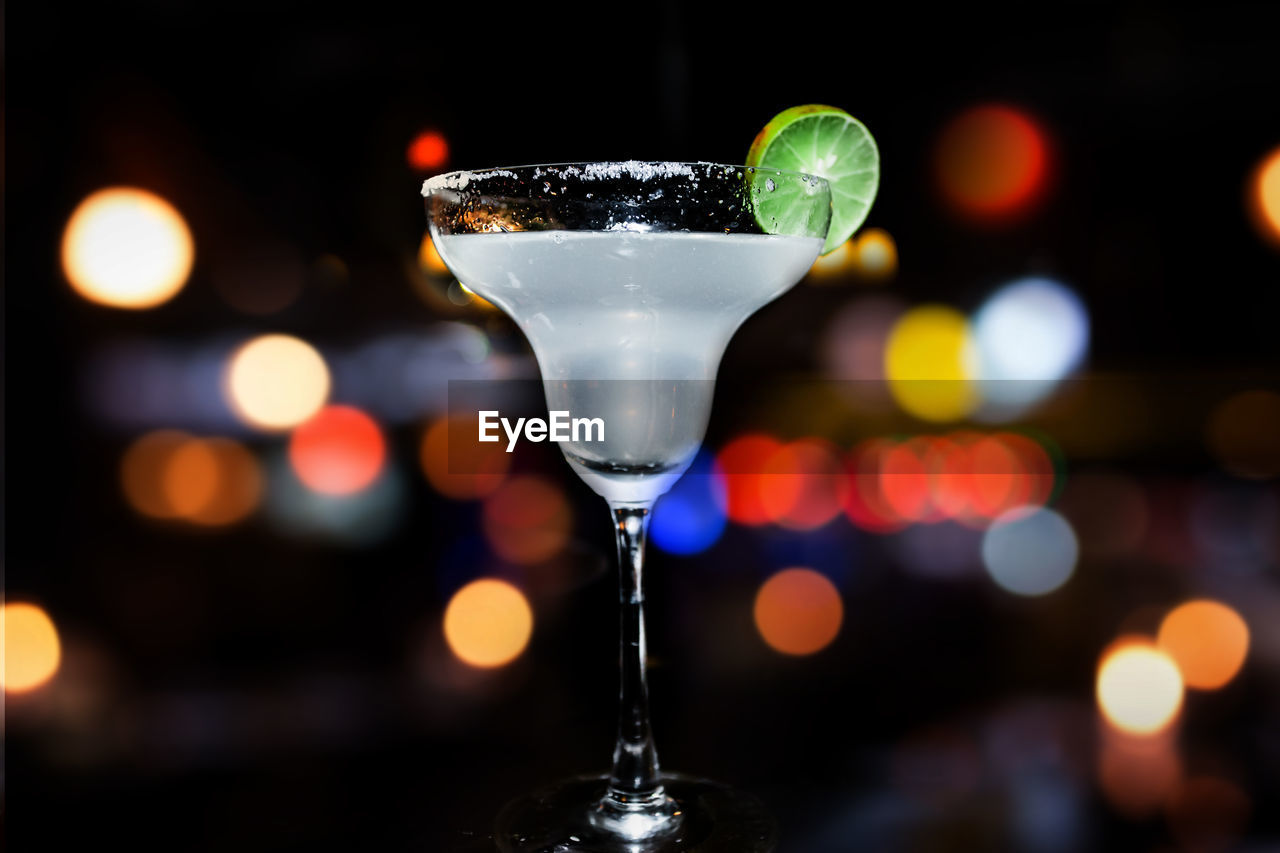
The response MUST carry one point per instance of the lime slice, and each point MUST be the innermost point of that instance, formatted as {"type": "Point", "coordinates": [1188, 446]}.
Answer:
{"type": "Point", "coordinates": [829, 143]}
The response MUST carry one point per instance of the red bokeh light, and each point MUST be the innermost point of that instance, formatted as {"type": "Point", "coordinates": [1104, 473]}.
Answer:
{"type": "Point", "coordinates": [340, 451]}
{"type": "Point", "coordinates": [804, 484]}
{"type": "Point", "coordinates": [992, 163]}
{"type": "Point", "coordinates": [865, 503]}
{"type": "Point", "coordinates": [429, 151]}
{"type": "Point", "coordinates": [743, 463]}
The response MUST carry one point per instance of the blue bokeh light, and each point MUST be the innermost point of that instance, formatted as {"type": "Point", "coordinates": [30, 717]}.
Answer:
{"type": "Point", "coordinates": [690, 518]}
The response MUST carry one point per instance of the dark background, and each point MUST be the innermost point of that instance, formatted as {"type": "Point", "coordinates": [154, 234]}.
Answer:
{"type": "Point", "coordinates": [272, 694]}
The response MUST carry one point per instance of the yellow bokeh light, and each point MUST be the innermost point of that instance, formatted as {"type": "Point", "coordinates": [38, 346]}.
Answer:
{"type": "Point", "coordinates": [32, 650]}
{"type": "Point", "coordinates": [488, 623]}
{"type": "Point", "coordinates": [1264, 196]}
{"type": "Point", "coordinates": [877, 255]}
{"type": "Point", "coordinates": [929, 363]}
{"type": "Point", "coordinates": [127, 248]}
{"type": "Point", "coordinates": [275, 382]}
{"type": "Point", "coordinates": [1139, 687]}
{"type": "Point", "coordinates": [1208, 640]}
{"type": "Point", "coordinates": [798, 611]}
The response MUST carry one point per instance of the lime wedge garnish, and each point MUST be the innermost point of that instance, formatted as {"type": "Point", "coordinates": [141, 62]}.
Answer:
{"type": "Point", "coordinates": [829, 143]}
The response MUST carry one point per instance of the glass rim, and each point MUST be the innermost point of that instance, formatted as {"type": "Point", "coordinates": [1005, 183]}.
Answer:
{"type": "Point", "coordinates": [458, 180]}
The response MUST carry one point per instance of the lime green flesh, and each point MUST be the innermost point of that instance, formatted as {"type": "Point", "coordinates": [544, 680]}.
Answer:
{"type": "Point", "coordinates": [831, 144]}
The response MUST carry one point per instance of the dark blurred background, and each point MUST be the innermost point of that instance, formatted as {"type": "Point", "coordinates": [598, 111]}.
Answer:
{"type": "Point", "coordinates": [226, 605]}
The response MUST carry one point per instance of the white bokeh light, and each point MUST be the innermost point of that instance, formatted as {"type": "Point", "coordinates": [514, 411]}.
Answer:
{"type": "Point", "coordinates": [1029, 335]}
{"type": "Point", "coordinates": [1030, 550]}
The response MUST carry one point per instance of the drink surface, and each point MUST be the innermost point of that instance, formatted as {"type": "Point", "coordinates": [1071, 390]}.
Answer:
{"type": "Point", "coordinates": [630, 327]}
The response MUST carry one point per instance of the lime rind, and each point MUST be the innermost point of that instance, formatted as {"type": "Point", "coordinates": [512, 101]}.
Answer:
{"type": "Point", "coordinates": [827, 142]}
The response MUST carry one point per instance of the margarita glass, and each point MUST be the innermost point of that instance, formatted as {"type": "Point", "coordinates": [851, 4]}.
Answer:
{"type": "Point", "coordinates": [629, 279]}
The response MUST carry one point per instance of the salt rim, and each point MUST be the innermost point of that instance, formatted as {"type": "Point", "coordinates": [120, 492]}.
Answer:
{"type": "Point", "coordinates": [637, 169]}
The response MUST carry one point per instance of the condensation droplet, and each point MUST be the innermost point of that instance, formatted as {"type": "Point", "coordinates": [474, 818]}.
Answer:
{"type": "Point", "coordinates": [770, 185]}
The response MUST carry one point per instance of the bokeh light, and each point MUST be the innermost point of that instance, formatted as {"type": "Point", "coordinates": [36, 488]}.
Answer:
{"type": "Point", "coordinates": [527, 520]}
{"type": "Point", "coordinates": [32, 650]}
{"type": "Point", "coordinates": [929, 362]}
{"type": "Point", "coordinates": [428, 151]}
{"type": "Point", "coordinates": [742, 462]}
{"type": "Point", "coordinates": [488, 623]}
{"type": "Point", "coordinates": [429, 258]}
{"type": "Point", "coordinates": [359, 519]}
{"type": "Point", "coordinates": [945, 550]}
{"type": "Point", "coordinates": [691, 517]}
{"type": "Point", "coordinates": [339, 451]}
{"type": "Point", "coordinates": [238, 486]}
{"type": "Point", "coordinates": [804, 484]}
{"type": "Point", "coordinates": [127, 248]}
{"type": "Point", "coordinates": [1138, 773]}
{"type": "Point", "coordinates": [142, 472]}
{"type": "Point", "coordinates": [1139, 687]}
{"type": "Point", "coordinates": [275, 382]}
{"type": "Point", "coordinates": [852, 350]}
{"type": "Point", "coordinates": [834, 265]}
{"type": "Point", "coordinates": [1244, 434]}
{"type": "Point", "coordinates": [1208, 640]}
{"type": "Point", "coordinates": [876, 255]}
{"type": "Point", "coordinates": [1030, 550]}
{"type": "Point", "coordinates": [992, 162]}
{"type": "Point", "coordinates": [212, 482]}
{"type": "Point", "coordinates": [866, 504]}
{"type": "Point", "coordinates": [456, 464]}
{"type": "Point", "coordinates": [1029, 334]}
{"type": "Point", "coordinates": [1264, 197]}
{"type": "Point", "coordinates": [798, 611]}
{"type": "Point", "coordinates": [906, 480]}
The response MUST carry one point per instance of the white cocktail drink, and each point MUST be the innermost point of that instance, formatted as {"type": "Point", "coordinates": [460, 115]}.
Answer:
{"type": "Point", "coordinates": [629, 326]}
{"type": "Point", "coordinates": [629, 279]}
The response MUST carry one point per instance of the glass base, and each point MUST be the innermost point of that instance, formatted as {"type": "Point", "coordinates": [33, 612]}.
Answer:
{"type": "Point", "coordinates": [565, 818]}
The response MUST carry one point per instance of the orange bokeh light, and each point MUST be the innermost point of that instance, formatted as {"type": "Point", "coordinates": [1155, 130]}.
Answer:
{"type": "Point", "coordinates": [32, 650]}
{"type": "Point", "coordinates": [429, 258]}
{"type": "Point", "coordinates": [803, 484]}
{"type": "Point", "coordinates": [211, 482]}
{"type": "Point", "coordinates": [992, 162]}
{"type": "Point", "coordinates": [340, 451]}
{"type": "Point", "coordinates": [457, 464]}
{"type": "Point", "coordinates": [488, 623]}
{"type": "Point", "coordinates": [527, 520]}
{"type": "Point", "coordinates": [798, 612]}
{"type": "Point", "coordinates": [1208, 640]}
{"type": "Point", "coordinates": [1264, 197]}
{"type": "Point", "coordinates": [142, 472]}
{"type": "Point", "coordinates": [428, 151]}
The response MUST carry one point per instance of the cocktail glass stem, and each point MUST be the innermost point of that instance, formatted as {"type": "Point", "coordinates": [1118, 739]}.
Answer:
{"type": "Point", "coordinates": [635, 804]}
